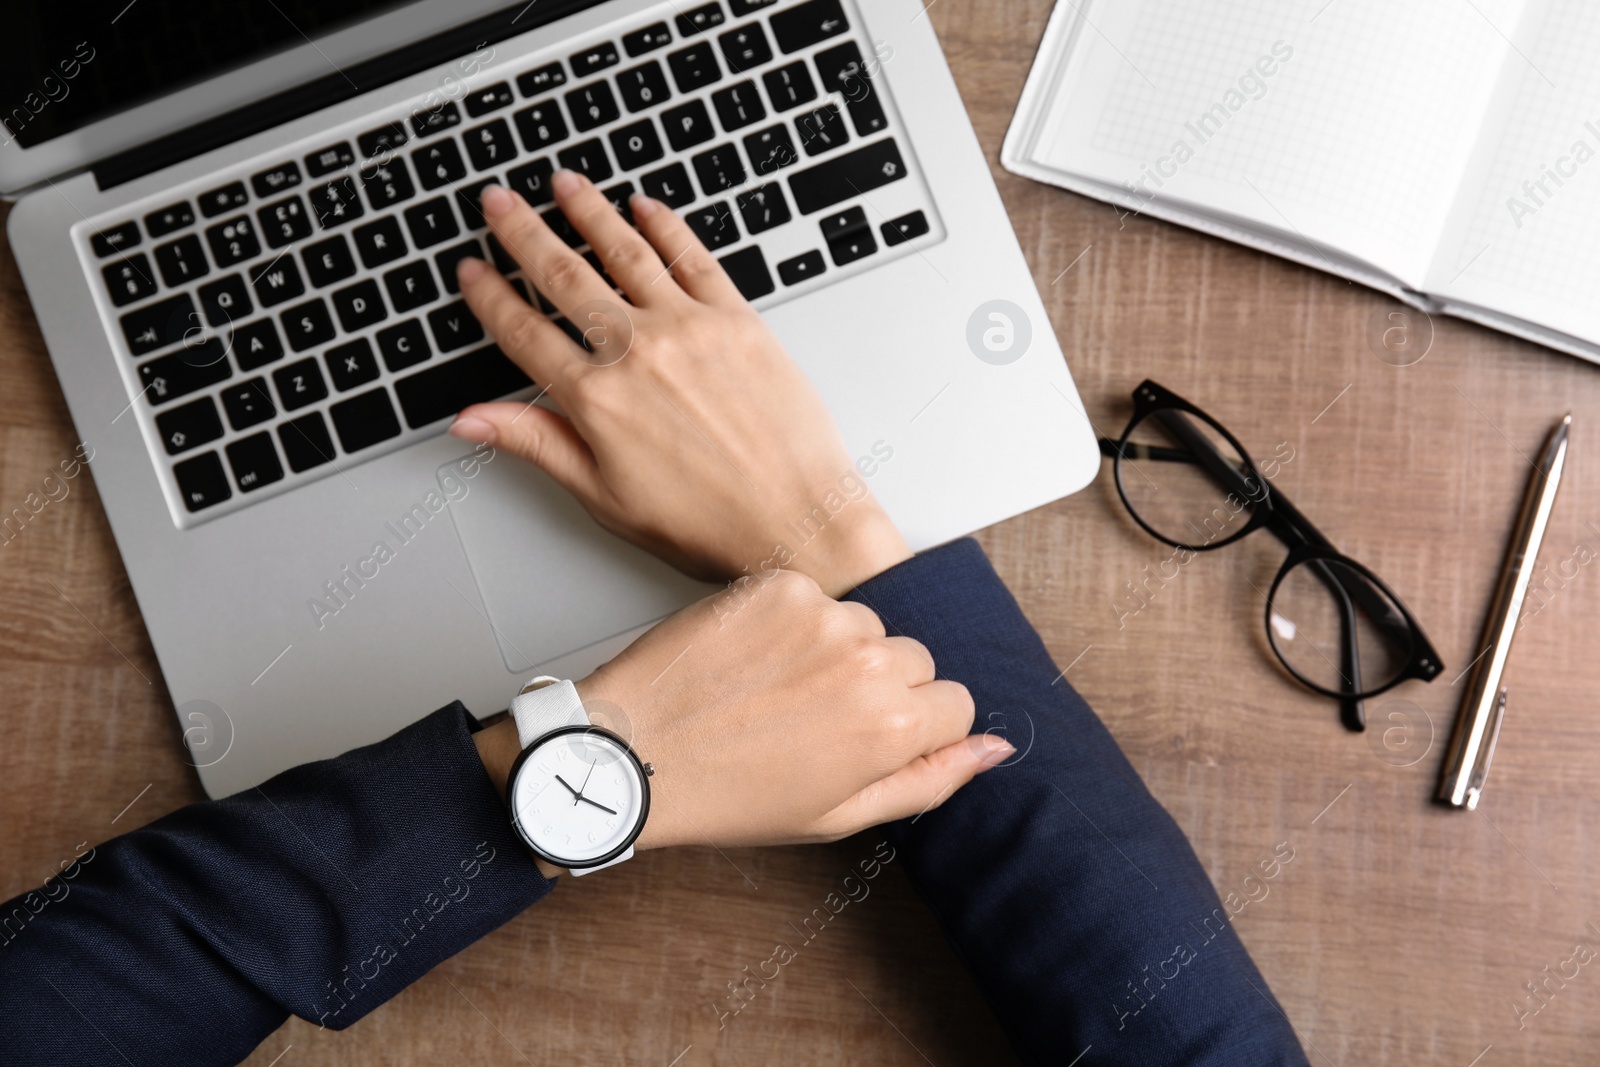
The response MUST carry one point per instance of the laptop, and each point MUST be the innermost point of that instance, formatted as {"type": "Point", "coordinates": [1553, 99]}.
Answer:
{"type": "Point", "coordinates": [238, 226]}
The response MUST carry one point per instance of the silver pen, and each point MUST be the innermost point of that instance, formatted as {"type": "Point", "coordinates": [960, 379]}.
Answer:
{"type": "Point", "coordinates": [1466, 764]}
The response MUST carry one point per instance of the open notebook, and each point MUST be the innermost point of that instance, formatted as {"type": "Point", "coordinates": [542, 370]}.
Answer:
{"type": "Point", "coordinates": [1445, 151]}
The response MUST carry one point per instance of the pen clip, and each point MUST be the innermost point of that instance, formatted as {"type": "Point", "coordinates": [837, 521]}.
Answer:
{"type": "Point", "coordinates": [1480, 771]}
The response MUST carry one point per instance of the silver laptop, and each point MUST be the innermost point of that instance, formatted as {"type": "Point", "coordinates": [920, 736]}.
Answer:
{"type": "Point", "coordinates": [238, 231]}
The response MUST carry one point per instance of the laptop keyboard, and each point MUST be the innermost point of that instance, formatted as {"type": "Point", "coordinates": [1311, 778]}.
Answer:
{"type": "Point", "coordinates": [287, 321]}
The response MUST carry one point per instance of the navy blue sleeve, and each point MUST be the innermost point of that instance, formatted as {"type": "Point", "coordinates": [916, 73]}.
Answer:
{"type": "Point", "coordinates": [322, 893]}
{"type": "Point", "coordinates": [1063, 885]}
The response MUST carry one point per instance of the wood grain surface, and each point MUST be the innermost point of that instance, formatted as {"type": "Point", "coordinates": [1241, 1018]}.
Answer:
{"type": "Point", "coordinates": [1400, 933]}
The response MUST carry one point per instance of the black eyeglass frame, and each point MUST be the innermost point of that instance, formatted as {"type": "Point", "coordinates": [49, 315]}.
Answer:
{"type": "Point", "coordinates": [1271, 509]}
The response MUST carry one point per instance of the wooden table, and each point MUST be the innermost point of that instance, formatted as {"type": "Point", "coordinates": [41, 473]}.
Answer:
{"type": "Point", "coordinates": [1400, 933]}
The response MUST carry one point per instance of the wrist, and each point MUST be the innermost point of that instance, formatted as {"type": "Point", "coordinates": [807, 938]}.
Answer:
{"type": "Point", "coordinates": [498, 748]}
{"type": "Point", "coordinates": [853, 549]}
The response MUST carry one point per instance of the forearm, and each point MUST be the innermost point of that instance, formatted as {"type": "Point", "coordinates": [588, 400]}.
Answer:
{"type": "Point", "coordinates": [322, 894]}
{"type": "Point", "coordinates": [1066, 888]}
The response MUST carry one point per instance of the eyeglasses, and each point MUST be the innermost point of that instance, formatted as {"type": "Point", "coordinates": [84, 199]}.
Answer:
{"type": "Point", "coordinates": [1334, 625]}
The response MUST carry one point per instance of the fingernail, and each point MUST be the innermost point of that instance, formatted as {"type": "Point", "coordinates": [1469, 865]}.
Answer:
{"type": "Point", "coordinates": [477, 431]}
{"type": "Point", "coordinates": [469, 270]}
{"type": "Point", "coordinates": [495, 200]}
{"type": "Point", "coordinates": [643, 207]}
{"type": "Point", "coordinates": [566, 182]}
{"type": "Point", "coordinates": [996, 750]}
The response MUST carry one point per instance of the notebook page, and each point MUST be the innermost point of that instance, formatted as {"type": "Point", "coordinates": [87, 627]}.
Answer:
{"type": "Point", "coordinates": [1336, 123]}
{"type": "Point", "coordinates": [1525, 240]}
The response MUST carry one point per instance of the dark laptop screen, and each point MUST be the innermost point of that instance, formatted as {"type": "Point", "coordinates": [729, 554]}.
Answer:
{"type": "Point", "coordinates": [65, 64]}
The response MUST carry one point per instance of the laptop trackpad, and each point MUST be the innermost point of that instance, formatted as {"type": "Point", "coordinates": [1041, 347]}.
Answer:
{"type": "Point", "coordinates": [551, 579]}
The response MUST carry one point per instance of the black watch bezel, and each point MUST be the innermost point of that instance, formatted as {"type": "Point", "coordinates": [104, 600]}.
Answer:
{"type": "Point", "coordinates": [627, 842]}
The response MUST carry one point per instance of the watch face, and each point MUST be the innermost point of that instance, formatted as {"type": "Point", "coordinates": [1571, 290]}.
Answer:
{"type": "Point", "coordinates": [579, 797]}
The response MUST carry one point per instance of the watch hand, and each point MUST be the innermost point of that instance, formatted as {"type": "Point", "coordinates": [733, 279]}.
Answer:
{"type": "Point", "coordinates": [564, 782]}
{"type": "Point", "coordinates": [579, 794]}
{"type": "Point", "coordinates": [602, 807]}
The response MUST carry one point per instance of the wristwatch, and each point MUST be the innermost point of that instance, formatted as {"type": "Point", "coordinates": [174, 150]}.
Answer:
{"type": "Point", "coordinates": [579, 796]}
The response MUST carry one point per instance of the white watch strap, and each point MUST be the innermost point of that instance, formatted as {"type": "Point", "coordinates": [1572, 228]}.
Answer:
{"type": "Point", "coordinates": [546, 704]}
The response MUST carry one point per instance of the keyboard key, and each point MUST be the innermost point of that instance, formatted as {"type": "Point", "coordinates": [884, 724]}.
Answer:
{"type": "Point", "coordinates": [411, 286]}
{"type": "Point", "coordinates": [700, 19]}
{"type": "Point", "coordinates": [299, 384]}
{"type": "Point", "coordinates": [852, 247]}
{"type": "Point", "coordinates": [745, 47]}
{"type": "Point", "coordinates": [201, 481]}
{"type": "Point", "coordinates": [159, 325]}
{"type": "Point", "coordinates": [688, 125]}
{"type": "Point", "coordinates": [363, 421]}
{"type": "Point", "coordinates": [350, 365]}
{"type": "Point", "coordinates": [741, 8]}
{"type": "Point", "coordinates": [430, 222]}
{"type": "Point", "coordinates": [129, 279]}
{"type": "Point", "coordinates": [562, 227]}
{"type": "Point", "coordinates": [438, 164]}
{"type": "Point", "coordinates": [170, 218]}
{"type": "Point", "coordinates": [276, 280]}
{"type": "Point", "coordinates": [189, 425]}
{"type": "Point", "coordinates": [748, 269]}
{"type": "Point", "coordinates": [387, 183]}
{"type": "Point", "coordinates": [643, 86]}
{"type": "Point", "coordinates": [403, 345]}
{"type": "Point", "coordinates": [738, 106]}
{"type": "Point", "coordinates": [285, 221]}
{"type": "Point", "coordinates": [307, 325]}
{"type": "Point", "coordinates": [359, 306]}
{"type": "Point", "coordinates": [842, 177]}
{"type": "Point", "coordinates": [436, 119]}
{"type": "Point", "coordinates": [305, 442]}
{"type": "Point", "coordinates": [714, 225]}
{"type": "Point", "coordinates": [541, 125]}
{"type": "Point", "coordinates": [843, 72]}
{"type": "Point", "coordinates": [905, 228]}
{"type": "Point", "coordinates": [490, 98]}
{"type": "Point", "coordinates": [380, 241]}
{"type": "Point", "coordinates": [254, 462]}
{"type": "Point", "coordinates": [656, 35]}
{"type": "Point", "coordinates": [276, 180]}
{"type": "Point", "coordinates": [442, 390]}
{"type": "Point", "coordinates": [618, 195]}
{"type": "Point", "coordinates": [469, 200]}
{"type": "Point", "coordinates": [822, 130]}
{"type": "Point", "coordinates": [589, 159]}
{"type": "Point", "coordinates": [805, 25]}
{"type": "Point", "coordinates": [226, 300]}
{"type": "Point", "coordinates": [233, 241]}
{"type": "Point", "coordinates": [594, 59]}
{"type": "Point", "coordinates": [539, 79]}
{"type": "Point", "coordinates": [453, 327]}
{"type": "Point", "coordinates": [719, 169]}
{"type": "Point", "coordinates": [846, 223]}
{"type": "Point", "coordinates": [763, 208]}
{"type": "Point", "coordinates": [335, 203]}
{"type": "Point", "coordinates": [382, 141]}
{"type": "Point", "coordinates": [181, 261]}
{"type": "Point", "coordinates": [255, 344]}
{"type": "Point", "coordinates": [329, 159]}
{"type": "Point", "coordinates": [248, 404]}
{"type": "Point", "coordinates": [447, 260]}
{"type": "Point", "coordinates": [183, 372]}
{"type": "Point", "coordinates": [694, 67]}
{"type": "Point", "coordinates": [490, 145]}
{"type": "Point", "coordinates": [328, 261]}
{"type": "Point", "coordinates": [502, 259]}
{"type": "Point", "coordinates": [532, 180]}
{"type": "Point", "coordinates": [592, 105]}
{"type": "Point", "coordinates": [110, 241]}
{"type": "Point", "coordinates": [771, 149]}
{"type": "Point", "coordinates": [230, 197]}
{"type": "Point", "coordinates": [789, 86]}
{"type": "Point", "coordinates": [801, 268]}
{"type": "Point", "coordinates": [670, 185]}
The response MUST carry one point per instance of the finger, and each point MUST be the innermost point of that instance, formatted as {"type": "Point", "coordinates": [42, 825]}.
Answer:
{"type": "Point", "coordinates": [558, 272]}
{"type": "Point", "coordinates": [915, 660]}
{"type": "Point", "coordinates": [944, 712]}
{"type": "Point", "coordinates": [626, 255]}
{"type": "Point", "coordinates": [692, 267]}
{"type": "Point", "coordinates": [539, 436]}
{"type": "Point", "coordinates": [920, 786]}
{"type": "Point", "coordinates": [528, 339]}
